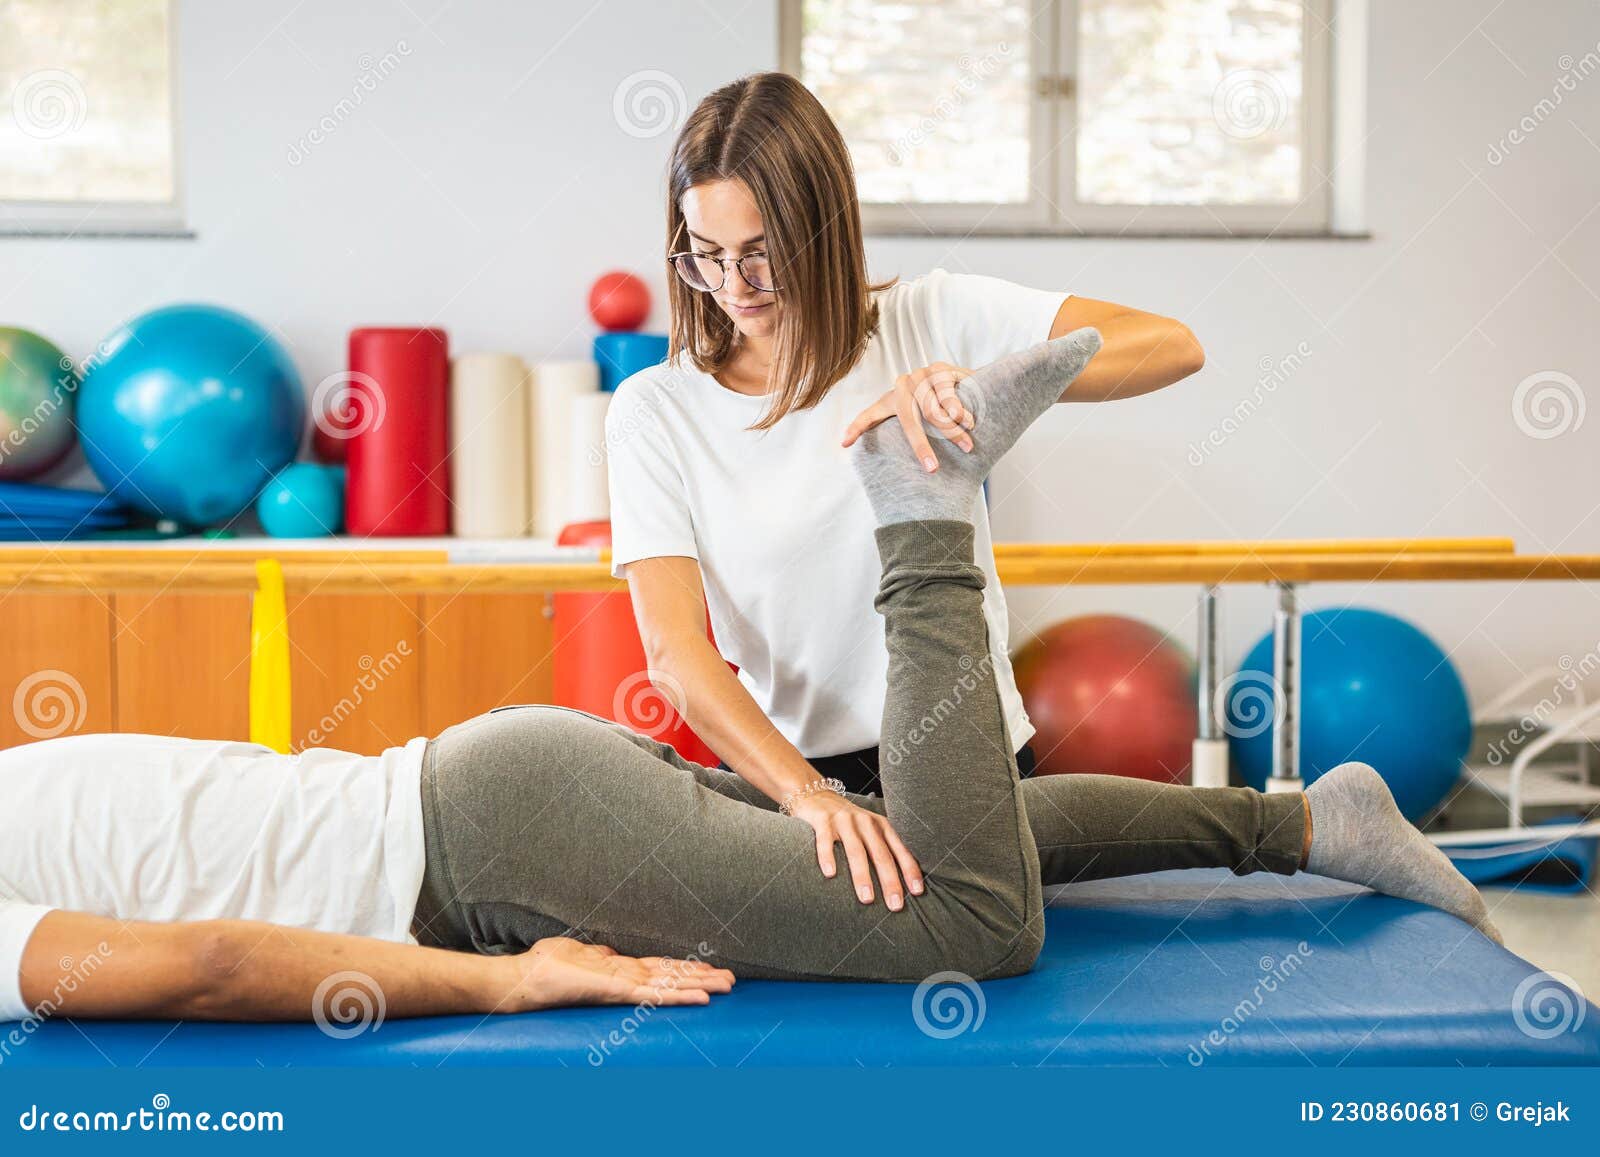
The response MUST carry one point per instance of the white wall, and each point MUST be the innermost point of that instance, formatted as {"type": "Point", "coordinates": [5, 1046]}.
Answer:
{"type": "Point", "coordinates": [485, 181]}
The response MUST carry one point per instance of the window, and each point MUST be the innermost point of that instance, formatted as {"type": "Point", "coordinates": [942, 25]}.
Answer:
{"type": "Point", "coordinates": [1093, 116]}
{"type": "Point", "coordinates": [86, 123]}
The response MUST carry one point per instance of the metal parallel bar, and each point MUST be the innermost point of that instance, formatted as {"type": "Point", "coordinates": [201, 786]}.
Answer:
{"type": "Point", "coordinates": [1286, 673]}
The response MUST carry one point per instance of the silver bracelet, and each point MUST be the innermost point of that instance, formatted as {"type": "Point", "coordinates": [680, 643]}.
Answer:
{"type": "Point", "coordinates": [810, 789]}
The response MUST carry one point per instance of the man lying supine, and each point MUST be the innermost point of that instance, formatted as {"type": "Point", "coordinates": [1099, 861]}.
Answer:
{"type": "Point", "coordinates": [536, 856]}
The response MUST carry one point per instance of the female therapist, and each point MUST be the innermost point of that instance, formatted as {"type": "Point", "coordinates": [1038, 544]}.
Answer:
{"type": "Point", "coordinates": [731, 490]}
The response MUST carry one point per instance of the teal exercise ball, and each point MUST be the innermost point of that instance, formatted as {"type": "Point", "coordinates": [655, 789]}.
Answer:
{"type": "Point", "coordinates": [37, 386]}
{"type": "Point", "coordinates": [185, 412]}
{"type": "Point", "coordinates": [303, 500]}
{"type": "Point", "coordinates": [1374, 688]}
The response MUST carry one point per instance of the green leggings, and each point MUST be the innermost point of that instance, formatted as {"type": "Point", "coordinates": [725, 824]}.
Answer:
{"type": "Point", "coordinates": [542, 821]}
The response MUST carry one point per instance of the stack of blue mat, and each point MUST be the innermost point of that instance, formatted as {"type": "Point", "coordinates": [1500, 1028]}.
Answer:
{"type": "Point", "coordinates": [1561, 867]}
{"type": "Point", "coordinates": [30, 513]}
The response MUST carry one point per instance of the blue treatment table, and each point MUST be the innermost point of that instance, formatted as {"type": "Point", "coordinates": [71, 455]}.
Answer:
{"type": "Point", "coordinates": [1174, 968]}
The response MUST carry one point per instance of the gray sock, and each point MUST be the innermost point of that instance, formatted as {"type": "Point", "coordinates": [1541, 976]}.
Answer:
{"type": "Point", "coordinates": [1357, 834]}
{"type": "Point", "coordinates": [1005, 397]}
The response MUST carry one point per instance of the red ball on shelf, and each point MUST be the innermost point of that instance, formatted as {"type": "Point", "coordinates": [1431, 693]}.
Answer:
{"type": "Point", "coordinates": [619, 301]}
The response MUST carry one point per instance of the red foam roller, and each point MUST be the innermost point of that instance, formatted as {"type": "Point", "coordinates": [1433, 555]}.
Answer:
{"type": "Point", "coordinates": [399, 391]}
{"type": "Point", "coordinates": [599, 663]}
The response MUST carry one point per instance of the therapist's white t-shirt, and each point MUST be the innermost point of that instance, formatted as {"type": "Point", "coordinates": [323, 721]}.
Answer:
{"type": "Point", "coordinates": [147, 827]}
{"type": "Point", "coordinates": [778, 521]}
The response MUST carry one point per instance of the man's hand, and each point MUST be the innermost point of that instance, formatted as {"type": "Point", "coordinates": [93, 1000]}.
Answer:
{"type": "Point", "coordinates": [558, 972]}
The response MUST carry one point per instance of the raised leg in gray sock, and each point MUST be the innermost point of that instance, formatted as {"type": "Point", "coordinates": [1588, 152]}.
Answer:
{"type": "Point", "coordinates": [1359, 835]}
{"type": "Point", "coordinates": [1005, 397]}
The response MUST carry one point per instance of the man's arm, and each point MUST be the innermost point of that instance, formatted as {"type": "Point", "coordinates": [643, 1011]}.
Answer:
{"type": "Point", "coordinates": [91, 966]}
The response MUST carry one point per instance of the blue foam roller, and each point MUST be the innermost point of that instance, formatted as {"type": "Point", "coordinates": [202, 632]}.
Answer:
{"type": "Point", "coordinates": [621, 355]}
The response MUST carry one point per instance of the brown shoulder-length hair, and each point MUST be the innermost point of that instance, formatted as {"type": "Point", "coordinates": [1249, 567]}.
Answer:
{"type": "Point", "coordinates": [770, 132]}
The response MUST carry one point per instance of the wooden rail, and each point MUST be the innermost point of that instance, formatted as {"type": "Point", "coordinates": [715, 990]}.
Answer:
{"type": "Point", "coordinates": [366, 576]}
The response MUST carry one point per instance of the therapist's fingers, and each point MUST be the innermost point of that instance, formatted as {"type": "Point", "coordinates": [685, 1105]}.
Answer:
{"type": "Point", "coordinates": [938, 410]}
{"type": "Point", "coordinates": [910, 415]}
{"type": "Point", "coordinates": [909, 868]}
{"type": "Point", "coordinates": [825, 860]}
{"type": "Point", "coordinates": [879, 411]}
{"type": "Point", "coordinates": [860, 865]}
{"type": "Point", "coordinates": [883, 862]}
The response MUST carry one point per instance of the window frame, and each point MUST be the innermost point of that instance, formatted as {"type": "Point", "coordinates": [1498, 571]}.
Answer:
{"type": "Point", "coordinates": [1053, 208]}
{"type": "Point", "coordinates": [58, 218]}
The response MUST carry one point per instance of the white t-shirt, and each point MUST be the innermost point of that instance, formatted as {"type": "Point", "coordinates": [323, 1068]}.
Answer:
{"type": "Point", "coordinates": [778, 521]}
{"type": "Point", "coordinates": [147, 827]}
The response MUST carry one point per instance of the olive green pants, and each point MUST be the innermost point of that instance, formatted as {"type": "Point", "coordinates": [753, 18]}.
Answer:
{"type": "Point", "coordinates": [542, 821]}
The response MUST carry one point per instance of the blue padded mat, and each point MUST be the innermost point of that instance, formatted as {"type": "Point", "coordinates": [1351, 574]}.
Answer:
{"type": "Point", "coordinates": [1175, 969]}
{"type": "Point", "coordinates": [1563, 867]}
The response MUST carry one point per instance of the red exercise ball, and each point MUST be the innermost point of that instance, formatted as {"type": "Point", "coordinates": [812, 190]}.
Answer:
{"type": "Point", "coordinates": [1109, 695]}
{"type": "Point", "coordinates": [619, 301]}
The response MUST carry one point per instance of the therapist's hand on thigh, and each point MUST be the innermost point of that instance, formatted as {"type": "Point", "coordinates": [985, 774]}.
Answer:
{"type": "Point", "coordinates": [924, 395]}
{"type": "Point", "coordinates": [870, 844]}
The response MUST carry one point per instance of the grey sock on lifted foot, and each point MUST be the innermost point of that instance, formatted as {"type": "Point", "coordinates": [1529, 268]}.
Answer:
{"type": "Point", "coordinates": [1359, 835]}
{"type": "Point", "coordinates": [1005, 397]}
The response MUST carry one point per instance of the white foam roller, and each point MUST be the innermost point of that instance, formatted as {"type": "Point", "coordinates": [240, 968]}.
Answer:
{"type": "Point", "coordinates": [489, 446]}
{"type": "Point", "coordinates": [588, 497]}
{"type": "Point", "coordinates": [554, 386]}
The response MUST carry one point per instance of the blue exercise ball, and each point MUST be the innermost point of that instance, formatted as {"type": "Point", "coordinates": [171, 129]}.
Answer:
{"type": "Point", "coordinates": [185, 412]}
{"type": "Point", "coordinates": [303, 500]}
{"type": "Point", "coordinates": [1373, 688]}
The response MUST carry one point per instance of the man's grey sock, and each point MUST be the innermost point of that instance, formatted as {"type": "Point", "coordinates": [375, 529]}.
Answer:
{"type": "Point", "coordinates": [1359, 835]}
{"type": "Point", "coordinates": [1005, 397]}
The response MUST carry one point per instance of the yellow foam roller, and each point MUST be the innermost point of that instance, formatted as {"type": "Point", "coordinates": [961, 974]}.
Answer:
{"type": "Point", "coordinates": [269, 659]}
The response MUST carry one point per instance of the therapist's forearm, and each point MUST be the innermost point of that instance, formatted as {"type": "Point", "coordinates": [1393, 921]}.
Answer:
{"type": "Point", "coordinates": [723, 714]}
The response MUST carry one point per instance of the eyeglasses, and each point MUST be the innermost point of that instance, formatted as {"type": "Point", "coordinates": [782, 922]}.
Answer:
{"type": "Point", "coordinates": [708, 274]}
